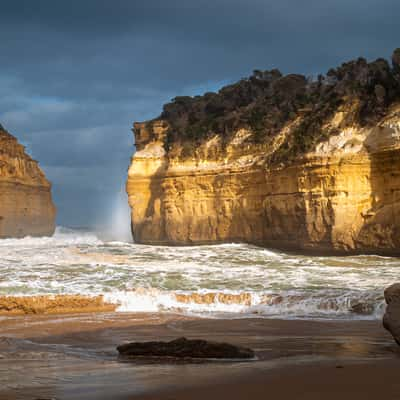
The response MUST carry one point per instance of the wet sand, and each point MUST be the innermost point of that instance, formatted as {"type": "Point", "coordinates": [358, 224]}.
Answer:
{"type": "Point", "coordinates": [367, 380]}
{"type": "Point", "coordinates": [74, 357]}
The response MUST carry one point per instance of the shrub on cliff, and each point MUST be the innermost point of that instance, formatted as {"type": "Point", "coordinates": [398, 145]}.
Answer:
{"type": "Point", "coordinates": [396, 63]}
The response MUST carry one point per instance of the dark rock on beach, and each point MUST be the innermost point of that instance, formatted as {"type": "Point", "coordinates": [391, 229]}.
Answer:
{"type": "Point", "coordinates": [391, 319]}
{"type": "Point", "coordinates": [185, 348]}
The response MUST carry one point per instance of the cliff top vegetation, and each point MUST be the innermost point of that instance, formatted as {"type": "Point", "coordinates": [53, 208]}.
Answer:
{"type": "Point", "coordinates": [268, 100]}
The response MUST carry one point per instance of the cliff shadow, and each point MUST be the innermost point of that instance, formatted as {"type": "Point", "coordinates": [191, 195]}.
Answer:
{"type": "Point", "coordinates": [381, 230]}
{"type": "Point", "coordinates": [153, 220]}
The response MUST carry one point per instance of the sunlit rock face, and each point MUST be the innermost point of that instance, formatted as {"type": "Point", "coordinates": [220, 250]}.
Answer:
{"type": "Point", "coordinates": [288, 163]}
{"type": "Point", "coordinates": [26, 206]}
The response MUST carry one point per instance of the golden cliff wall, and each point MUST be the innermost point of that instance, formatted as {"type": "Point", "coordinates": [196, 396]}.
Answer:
{"type": "Point", "coordinates": [342, 197]}
{"type": "Point", "coordinates": [26, 206]}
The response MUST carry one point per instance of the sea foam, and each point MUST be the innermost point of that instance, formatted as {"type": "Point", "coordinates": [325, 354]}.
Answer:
{"type": "Point", "coordinates": [222, 280]}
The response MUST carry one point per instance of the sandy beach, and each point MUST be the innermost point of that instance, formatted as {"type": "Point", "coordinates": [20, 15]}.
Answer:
{"type": "Point", "coordinates": [366, 380]}
{"type": "Point", "coordinates": [74, 357]}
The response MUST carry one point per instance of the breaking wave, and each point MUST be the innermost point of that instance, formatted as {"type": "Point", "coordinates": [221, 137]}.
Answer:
{"type": "Point", "coordinates": [221, 281]}
{"type": "Point", "coordinates": [231, 305]}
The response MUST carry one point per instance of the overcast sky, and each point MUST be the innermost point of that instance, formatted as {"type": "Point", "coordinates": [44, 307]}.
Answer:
{"type": "Point", "coordinates": [75, 74]}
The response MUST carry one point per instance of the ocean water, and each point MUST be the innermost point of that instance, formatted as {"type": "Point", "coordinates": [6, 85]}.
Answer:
{"type": "Point", "coordinates": [221, 281]}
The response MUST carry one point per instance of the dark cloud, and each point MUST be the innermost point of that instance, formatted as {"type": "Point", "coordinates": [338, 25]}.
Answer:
{"type": "Point", "coordinates": [74, 75]}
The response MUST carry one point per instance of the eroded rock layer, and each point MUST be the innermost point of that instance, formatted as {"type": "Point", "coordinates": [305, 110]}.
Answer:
{"type": "Point", "coordinates": [26, 206]}
{"type": "Point", "coordinates": [60, 304]}
{"type": "Point", "coordinates": [288, 163]}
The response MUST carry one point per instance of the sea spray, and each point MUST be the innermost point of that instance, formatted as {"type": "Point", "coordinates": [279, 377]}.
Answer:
{"type": "Point", "coordinates": [117, 225]}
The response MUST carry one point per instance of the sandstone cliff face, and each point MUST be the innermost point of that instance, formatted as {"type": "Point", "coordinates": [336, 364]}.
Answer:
{"type": "Point", "coordinates": [26, 207]}
{"type": "Point", "coordinates": [331, 188]}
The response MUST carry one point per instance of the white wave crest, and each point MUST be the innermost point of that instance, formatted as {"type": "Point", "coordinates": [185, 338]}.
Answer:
{"type": "Point", "coordinates": [62, 236]}
{"type": "Point", "coordinates": [236, 304]}
{"type": "Point", "coordinates": [226, 279]}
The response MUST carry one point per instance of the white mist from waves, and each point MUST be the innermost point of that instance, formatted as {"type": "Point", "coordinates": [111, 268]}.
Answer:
{"type": "Point", "coordinates": [116, 225]}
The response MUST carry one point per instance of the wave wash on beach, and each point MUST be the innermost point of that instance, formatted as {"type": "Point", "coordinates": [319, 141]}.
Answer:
{"type": "Point", "coordinates": [76, 270]}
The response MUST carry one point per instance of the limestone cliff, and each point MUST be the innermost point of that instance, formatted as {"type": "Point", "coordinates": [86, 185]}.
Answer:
{"type": "Point", "coordinates": [26, 207]}
{"type": "Point", "coordinates": [279, 161]}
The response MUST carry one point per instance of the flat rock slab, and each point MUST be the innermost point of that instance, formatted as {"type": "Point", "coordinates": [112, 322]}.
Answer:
{"type": "Point", "coordinates": [185, 348]}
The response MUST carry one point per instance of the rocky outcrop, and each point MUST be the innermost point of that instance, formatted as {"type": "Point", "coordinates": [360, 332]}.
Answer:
{"type": "Point", "coordinates": [391, 319]}
{"type": "Point", "coordinates": [185, 348]}
{"type": "Point", "coordinates": [278, 161]}
{"type": "Point", "coordinates": [58, 304]}
{"type": "Point", "coordinates": [26, 207]}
